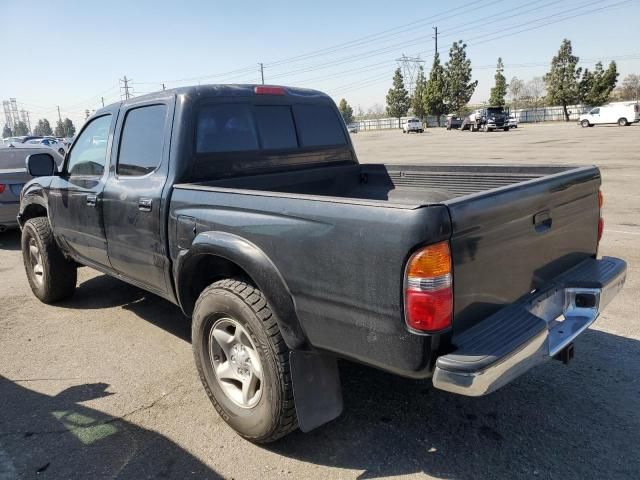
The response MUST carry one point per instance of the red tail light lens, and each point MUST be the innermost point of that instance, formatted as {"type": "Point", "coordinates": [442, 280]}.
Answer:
{"type": "Point", "coordinates": [262, 90]}
{"type": "Point", "coordinates": [428, 289]}
{"type": "Point", "coordinates": [2, 187]}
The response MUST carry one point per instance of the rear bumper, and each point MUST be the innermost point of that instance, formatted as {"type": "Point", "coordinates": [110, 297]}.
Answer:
{"type": "Point", "coordinates": [527, 333]}
{"type": "Point", "coordinates": [8, 214]}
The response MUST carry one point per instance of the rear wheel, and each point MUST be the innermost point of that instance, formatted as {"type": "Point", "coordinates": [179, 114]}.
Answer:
{"type": "Point", "coordinates": [623, 122]}
{"type": "Point", "coordinates": [506, 129]}
{"type": "Point", "coordinates": [473, 127]}
{"type": "Point", "coordinates": [243, 361]}
{"type": "Point", "coordinates": [584, 123]}
{"type": "Point", "coordinates": [51, 276]}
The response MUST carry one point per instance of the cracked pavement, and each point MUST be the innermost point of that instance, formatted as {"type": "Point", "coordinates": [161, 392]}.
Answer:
{"type": "Point", "coordinates": [103, 385]}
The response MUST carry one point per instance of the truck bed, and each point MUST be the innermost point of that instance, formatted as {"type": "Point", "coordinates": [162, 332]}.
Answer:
{"type": "Point", "coordinates": [408, 186]}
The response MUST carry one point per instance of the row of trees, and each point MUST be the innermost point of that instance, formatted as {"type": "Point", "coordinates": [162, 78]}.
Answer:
{"type": "Point", "coordinates": [449, 88]}
{"type": "Point", "coordinates": [64, 128]}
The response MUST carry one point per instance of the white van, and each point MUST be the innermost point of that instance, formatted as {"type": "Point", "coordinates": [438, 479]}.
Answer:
{"type": "Point", "coordinates": [622, 113]}
{"type": "Point", "coordinates": [412, 125]}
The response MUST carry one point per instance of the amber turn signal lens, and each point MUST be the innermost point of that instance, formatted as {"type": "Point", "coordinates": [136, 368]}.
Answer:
{"type": "Point", "coordinates": [600, 199]}
{"type": "Point", "coordinates": [430, 261]}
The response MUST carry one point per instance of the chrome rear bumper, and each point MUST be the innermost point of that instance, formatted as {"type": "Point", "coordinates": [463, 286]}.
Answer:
{"type": "Point", "coordinates": [525, 334]}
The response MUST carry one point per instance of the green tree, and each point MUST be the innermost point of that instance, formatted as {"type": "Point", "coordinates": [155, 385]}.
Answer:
{"type": "Point", "coordinates": [69, 128]}
{"type": "Point", "coordinates": [43, 128]}
{"type": "Point", "coordinates": [459, 86]}
{"type": "Point", "coordinates": [499, 91]}
{"type": "Point", "coordinates": [562, 79]}
{"type": "Point", "coordinates": [435, 90]}
{"type": "Point", "coordinates": [6, 132]}
{"type": "Point", "coordinates": [417, 101]}
{"type": "Point", "coordinates": [346, 111]}
{"type": "Point", "coordinates": [596, 87]}
{"type": "Point", "coordinates": [398, 97]}
{"type": "Point", "coordinates": [20, 129]}
{"type": "Point", "coordinates": [59, 130]}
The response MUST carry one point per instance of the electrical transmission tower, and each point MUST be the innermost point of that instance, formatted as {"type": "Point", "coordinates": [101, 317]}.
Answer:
{"type": "Point", "coordinates": [126, 89]}
{"type": "Point", "coordinates": [409, 66]}
{"type": "Point", "coordinates": [8, 119]}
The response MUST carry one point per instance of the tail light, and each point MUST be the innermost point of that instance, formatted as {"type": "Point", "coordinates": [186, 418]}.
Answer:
{"type": "Point", "coordinates": [266, 90]}
{"type": "Point", "coordinates": [2, 187]}
{"type": "Point", "coordinates": [600, 220]}
{"type": "Point", "coordinates": [428, 294]}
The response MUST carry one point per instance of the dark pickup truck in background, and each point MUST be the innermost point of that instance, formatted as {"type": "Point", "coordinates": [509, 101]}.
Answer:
{"type": "Point", "coordinates": [247, 207]}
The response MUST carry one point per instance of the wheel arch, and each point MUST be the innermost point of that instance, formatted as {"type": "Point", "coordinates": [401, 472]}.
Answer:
{"type": "Point", "coordinates": [216, 255]}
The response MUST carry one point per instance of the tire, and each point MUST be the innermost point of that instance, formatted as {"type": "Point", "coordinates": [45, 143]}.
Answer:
{"type": "Point", "coordinates": [623, 122]}
{"type": "Point", "coordinates": [472, 127]}
{"type": "Point", "coordinates": [585, 123]}
{"type": "Point", "coordinates": [51, 276]}
{"type": "Point", "coordinates": [506, 129]}
{"type": "Point", "coordinates": [448, 128]}
{"type": "Point", "coordinates": [268, 413]}
{"type": "Point", "coordinates": [485, 128]}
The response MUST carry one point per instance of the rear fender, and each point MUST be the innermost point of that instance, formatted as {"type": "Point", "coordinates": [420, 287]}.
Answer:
{"type": "Point", "coordinates": [257, 266]}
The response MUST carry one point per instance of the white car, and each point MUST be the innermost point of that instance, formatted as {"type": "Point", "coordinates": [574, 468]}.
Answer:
{"type": "Point", "coordinates": [412, 125]}
{"type": "Point", "coordinates": [352, 128]}
{"type": "Point", "coordinates": [513, 121]}
{"type": "Point", "coordinates": [51, 143]}
{"type": "Point", "coordinates": [622, 113]}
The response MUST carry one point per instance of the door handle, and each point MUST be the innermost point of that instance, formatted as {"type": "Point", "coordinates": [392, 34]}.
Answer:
{"type": "Point", "coordinates": [92, 200]}
{"type": "Point", "coordinates": [145, 204]}
{"type": "Point", "coordinates": [542, 221]}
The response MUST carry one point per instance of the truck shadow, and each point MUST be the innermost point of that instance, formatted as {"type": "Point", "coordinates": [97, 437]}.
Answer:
{"type": "Point", "coordinates": [10, 240]}
{"type": "Point", "coordinates": [58, 437]}
{"type": "Point", "coordinates": [580, 421]}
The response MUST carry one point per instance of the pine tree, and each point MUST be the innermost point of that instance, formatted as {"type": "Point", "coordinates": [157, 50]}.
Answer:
{"type": "Point", "coordinates": [59, 130]}
{"type": "Point", "coordinates": [6, 132]}
{"type": "Point", "coordinates": [43, 128]}
{"type": "Point", "coordinates": [69, 128]}
{"type": "Point", "coordinates": [459, 87]}
{"type": "Point", "coordinates": [398, 97]}
{"type": "Point", "coordinates": [435, 90]}
{"type": "Point", "coordinates": [417, 101]}
{"type": "Point", "coordinates": [20, 129]}
{"type": "Point", "coordinates": [499, 91]}
{"type": "Point", "coordinates": [595, 87]}
{"type": "Point", "coordinates": [346, 111]}
{"type": "Point", "coordinates": [562, 79]}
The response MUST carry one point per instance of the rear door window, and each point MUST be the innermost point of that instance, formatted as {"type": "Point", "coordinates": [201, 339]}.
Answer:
{"type": "Point", "coordinates": [225, 128]}
{"type": "Point", "coordinates": [142, 140]}
{"type": "Point", "coordinates": [318, 126]}
{"type": "Point", "coordinates": [275, 127]}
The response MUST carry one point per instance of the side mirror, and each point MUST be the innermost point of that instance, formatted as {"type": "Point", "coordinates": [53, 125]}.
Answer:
{"type": "Point", "coordinates": [41, 165]}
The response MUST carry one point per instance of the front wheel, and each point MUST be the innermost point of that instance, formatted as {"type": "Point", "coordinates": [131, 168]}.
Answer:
{"type": "Point", "coordinates": [623, 122]}
{"type": "Point", "coordinates": [584, 123]}
{"type": "Point", "coordinates": [52, 277]}
{"type": "Point", "coordinates": [243, 361]}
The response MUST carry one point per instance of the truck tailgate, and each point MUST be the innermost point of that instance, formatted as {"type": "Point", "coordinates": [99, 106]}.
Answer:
{"type": "Point", "coordinates": [512, 240]}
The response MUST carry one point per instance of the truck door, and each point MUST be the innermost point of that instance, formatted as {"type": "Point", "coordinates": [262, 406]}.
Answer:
{"type": "Point", "coordinates": [134, 210]}
{"type": "Point", "coordinates": [594, 116]}
{"type": "Point", "coordinates": [75, 196]}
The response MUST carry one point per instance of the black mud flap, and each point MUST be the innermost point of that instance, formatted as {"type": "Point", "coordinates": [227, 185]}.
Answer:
{"type": "Point", "coordinates": [316, 389]}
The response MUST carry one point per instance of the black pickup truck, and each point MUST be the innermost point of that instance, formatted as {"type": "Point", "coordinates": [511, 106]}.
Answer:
{"type": "Point", "coordinates": [247, 207]}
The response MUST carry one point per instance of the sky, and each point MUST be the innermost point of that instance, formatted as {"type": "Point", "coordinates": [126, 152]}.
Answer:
{"type": "Point", "coordinates": [73, 53]}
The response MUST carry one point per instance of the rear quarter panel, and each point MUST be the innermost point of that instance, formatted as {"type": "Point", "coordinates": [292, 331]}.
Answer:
{"type": "Point", "coordinates": [342, 262]}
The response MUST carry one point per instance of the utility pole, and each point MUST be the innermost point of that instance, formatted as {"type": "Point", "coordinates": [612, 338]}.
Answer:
{"type": "Point", "coordinates": [28, 122]}
{"type": "Point", "coordinates": [436, 37]}
{"type": "Point", "coordinates": [126, 81]}
{"type": "Point", "coordinates": [262, 72]}
{"type": "Point", "coordinates": [59, 117]}
{"type": "Point", "coordinates": [163, 86]}
{"type": "Point", "coordinates": [102, 98]}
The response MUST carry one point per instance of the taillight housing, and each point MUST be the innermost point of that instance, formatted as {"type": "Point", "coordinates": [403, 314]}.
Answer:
{"type": "Point", "coordinates": [269, 90]}
{"type": "Point", "coordinates": [2, 187]}
{"type": "Point", "coordinates": [428, 289]}
{"type": "Point", "coordinates": [600, 219]}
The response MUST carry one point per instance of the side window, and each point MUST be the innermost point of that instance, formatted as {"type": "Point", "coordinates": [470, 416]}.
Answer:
{"type": "Point", "coordinates": [309, 119]}
{"type": "Point", "coordinates": [89, 153]}
{"type": "Point", "coordinates": [275, 127]}
{"type": "Point", "coordinates": [142, 140]}
{"type": "Point", "coordinates": [225, 128]}
{"type": "Point", "coordinates": [595, 111]}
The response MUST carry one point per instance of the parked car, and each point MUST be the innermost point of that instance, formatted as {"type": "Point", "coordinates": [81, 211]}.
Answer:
{"type": "Point", "coordinates": [453, 122]}
{"type": "Point", "coordinates": [20, 139]}
{"type": "Point", "coordinates": [49, 142]}
{"type": "Point", "coordinates": [13, 176]}
{"type": "Point", "coordinates": [412, 125]}
{"type": "Point", "coordinates": [622, 113]}
{"type": "Point", "coordinates": [352, 128]}
{"type": "Point", "coordinates": [248, 208]}
{"type": "Point", "coordinates": [513, 121]}
{"type": "Point", "coordinates": [487, 119]}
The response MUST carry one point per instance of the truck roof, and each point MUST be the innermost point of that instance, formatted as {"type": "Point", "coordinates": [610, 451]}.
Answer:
{"type": "Point", "coordinates": [221, 90]}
